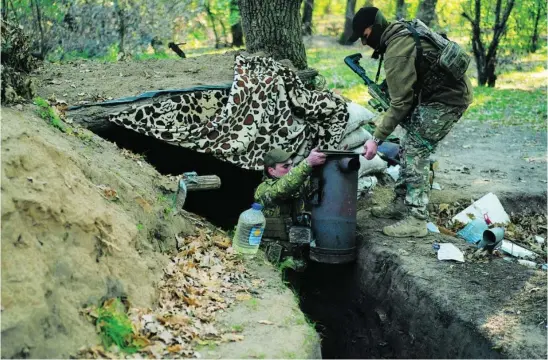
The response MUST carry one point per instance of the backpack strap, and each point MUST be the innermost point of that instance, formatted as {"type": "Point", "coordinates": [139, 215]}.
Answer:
{"type": "Point", "coordinates": [418, 60]}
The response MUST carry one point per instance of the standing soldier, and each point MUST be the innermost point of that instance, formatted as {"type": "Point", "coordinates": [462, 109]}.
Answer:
{"type": "Point", "coordinates": [429, 93]}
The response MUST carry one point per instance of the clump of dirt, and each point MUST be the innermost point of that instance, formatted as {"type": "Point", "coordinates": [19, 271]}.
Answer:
{"type": "Point", "coordinates": [80, 222]}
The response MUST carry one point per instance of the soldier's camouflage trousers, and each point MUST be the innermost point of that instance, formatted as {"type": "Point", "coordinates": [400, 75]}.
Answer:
{"type": "Point", "coordinates": [432, 122]}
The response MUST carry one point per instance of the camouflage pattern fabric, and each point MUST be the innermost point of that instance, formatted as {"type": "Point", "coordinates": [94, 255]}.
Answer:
{"type": "Point", "coordinates": [267, 107]}
{"type": "Point", "coordinates": [277, 195]}
{"type": "Point", "coordinates": [432, 122]}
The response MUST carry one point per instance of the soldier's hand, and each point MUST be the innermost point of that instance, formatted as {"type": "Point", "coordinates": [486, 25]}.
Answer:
{"type": "Point", "coordinates": [316, 158]}
{"type": "Point", "coordinates": [370, 149]}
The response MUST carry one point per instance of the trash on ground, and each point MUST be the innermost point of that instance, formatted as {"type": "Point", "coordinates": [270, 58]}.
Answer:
{"type": "Point", "coordinates": [544, 267]}
{"type": "Point", "coordinates": [539, 239]}
{"type": "Point", "coordinates": [394, 172]}
{"type": "Point", "coordinates": [366, 183]}
{"type": "Point", "coordinates": [527, 263]}
{"type": "Point", "coordinates": [436, 186]}
{"type": "Point", "coordinates": [488, 205]}
{"type": "Point", "coordinates": [449, 251]}
{"type": "Point", "coordinates": [491, 238]}
{"type": "Point", "coordinates": [432, 227]}
{"type": "Point", "coordinates": [473, 231]}
{"type": "Point", "coordinates": [516, 250]}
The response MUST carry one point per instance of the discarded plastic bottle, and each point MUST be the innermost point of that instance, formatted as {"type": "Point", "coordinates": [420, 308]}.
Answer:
{"type": "Point", "coordinates": [249, 230]}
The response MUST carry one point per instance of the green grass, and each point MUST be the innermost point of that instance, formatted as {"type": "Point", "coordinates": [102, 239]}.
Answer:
{"type": "Point", "coordinates": [237, 328]}
{"type": "Point", "coordinates": [252, 303]}
{"type": "Point", "coordinates": [115, 327]}
{"type": "Point", "coordinates": [509, 107]}
{"type": "Point", "coordinates": [46, 112]}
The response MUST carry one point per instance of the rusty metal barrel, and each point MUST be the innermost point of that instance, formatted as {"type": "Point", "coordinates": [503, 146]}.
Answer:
{"type": "Point", "coordinates": [334, 208]}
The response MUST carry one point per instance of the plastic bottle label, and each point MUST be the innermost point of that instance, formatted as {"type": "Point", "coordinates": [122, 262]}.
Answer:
{"type": "Point", "coordinates": [255, 235]}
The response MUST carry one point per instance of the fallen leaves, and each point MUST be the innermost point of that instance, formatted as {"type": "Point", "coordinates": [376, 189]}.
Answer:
{"type": "Point", "coordinates": [203, 278]}
{"type": "Point", "coordinates": [108, 193]}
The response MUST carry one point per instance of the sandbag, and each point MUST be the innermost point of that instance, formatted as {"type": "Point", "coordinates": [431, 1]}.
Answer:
{"type": "Point", "coordinates": [357, 116]}
{"type": "Point", "coordinates": [373, 166]}
{"type": "Point", "coordinates": [355, 139]}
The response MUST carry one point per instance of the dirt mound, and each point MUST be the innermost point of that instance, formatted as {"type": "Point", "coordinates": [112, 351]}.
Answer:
{"type": "Point", "coordinates": [78, 219]}
{"type": "Point", "coordinates": [92, 81]}
{"type": "Point", "coordinates": [83, 221]}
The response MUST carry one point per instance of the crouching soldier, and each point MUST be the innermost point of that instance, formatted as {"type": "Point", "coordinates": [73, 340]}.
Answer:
{"type": "Point", "coordinates": [283, 194]}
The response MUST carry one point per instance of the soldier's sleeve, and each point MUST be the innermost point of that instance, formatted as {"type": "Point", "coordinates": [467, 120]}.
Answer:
{"type": "Point", "coordinates": [401, 75]}
{"type": "Point", "coordinates": [283, 188]}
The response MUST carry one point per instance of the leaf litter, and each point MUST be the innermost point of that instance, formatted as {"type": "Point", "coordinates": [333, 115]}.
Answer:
{"type": "Point", "coordinates": [205, 277]}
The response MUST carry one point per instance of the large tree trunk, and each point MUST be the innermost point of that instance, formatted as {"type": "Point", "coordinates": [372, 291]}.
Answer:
{"type": "Point", "coordinates": [401, 11]}
{"type": "Point", "coordinates": [274, 27]}
{"type": "Point", "coordinates": [486, 58]}
{"type": "Point", "coordinates": [236, 27]}
{"type": "Point", "coordinates": [427, 12]}
{"type": "Point", "coordinates": [307, 17]}
{"type": "Point", "coordinates": [349, 15]}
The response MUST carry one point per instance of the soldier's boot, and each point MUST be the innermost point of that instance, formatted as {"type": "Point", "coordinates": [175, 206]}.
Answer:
{"type": "Point", "coordinates": [408, 227]}
{"type": "Point", "coordinates": [394, 210]}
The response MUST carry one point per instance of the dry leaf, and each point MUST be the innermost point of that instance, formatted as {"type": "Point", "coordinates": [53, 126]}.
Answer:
{"type": "Point", "coordinates": [243, 297]}
{"type": "Point", "coordinates": [266, 322]}
{"type": "Point", "coordinates": [175, 348]}
{"type": "Point", "coordinates": [231, 337]}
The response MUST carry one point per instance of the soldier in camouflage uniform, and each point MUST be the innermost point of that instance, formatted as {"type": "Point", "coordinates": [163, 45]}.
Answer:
{"type": "Point", "coordinates": [441, 103]}
{"type": "Point", "coordinates": [283, 194]}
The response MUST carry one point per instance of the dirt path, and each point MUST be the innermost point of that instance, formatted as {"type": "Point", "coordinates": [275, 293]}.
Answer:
{"type": "Point", "coordinates": [478, 158]}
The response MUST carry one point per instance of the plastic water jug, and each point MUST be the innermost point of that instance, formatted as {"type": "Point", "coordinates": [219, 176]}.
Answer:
{"type": "Point", "coordinates": [249, 230]}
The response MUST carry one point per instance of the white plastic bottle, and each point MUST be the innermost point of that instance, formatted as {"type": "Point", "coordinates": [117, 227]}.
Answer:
{"type": "Point", "coordinates": [249, 230]}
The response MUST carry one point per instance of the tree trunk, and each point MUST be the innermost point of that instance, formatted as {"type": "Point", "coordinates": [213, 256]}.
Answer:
{"type": "Point", "coordinates": [122, 25]}
{"type": "Point", "coordinates": [40, 28]}
{"type": "Point", "coordinates": [4, 10]}
{"type": "Point", "coordinates": [427, 12]}
{"type": "Point", "coordinates": [223, 31]}
{"type": "Point", "coordinates": [486, 59]}
{"type": "Point", "coordinates": [349, 15]}
{"type": "Point", "coordinates": [212, 21]}
{"type": "Point", "coordinates": [274, 27]}
{"type": "Point", "coordinates": [541, 4]}
{"type": "Point", "coordinates": [236, 27]}
{"type": "Point", "coordinates": [327, 9]}
{"type": "Point", "coordinates": [307, 17]}
{"type": "Point", "coordinates": [401, 12]}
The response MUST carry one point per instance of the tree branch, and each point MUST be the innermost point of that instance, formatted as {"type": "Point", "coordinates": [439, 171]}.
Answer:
{"type": "Point", "coordinates": [467, 17]}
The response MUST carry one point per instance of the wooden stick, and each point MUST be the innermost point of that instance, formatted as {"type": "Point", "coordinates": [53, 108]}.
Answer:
{"type": "Point", "coordinates": [204, 182]}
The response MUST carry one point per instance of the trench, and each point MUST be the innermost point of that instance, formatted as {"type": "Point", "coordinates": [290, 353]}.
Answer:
{"type": "Point", "coordinates": [220, 206]}
{"type": "Point", "coordinates": [367, 309]}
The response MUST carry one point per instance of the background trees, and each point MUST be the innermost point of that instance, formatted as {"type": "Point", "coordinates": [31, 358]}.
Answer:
{"type": "Point", "coordinates": [495, 16]}
{"type": "Point", "coordinates": [62, 29]}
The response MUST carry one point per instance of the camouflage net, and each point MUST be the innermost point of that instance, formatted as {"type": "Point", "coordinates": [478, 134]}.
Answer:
{"type": "Point", "coordinates": [17, 63]}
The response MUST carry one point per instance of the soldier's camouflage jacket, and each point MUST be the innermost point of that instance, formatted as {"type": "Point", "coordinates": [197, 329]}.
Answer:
{"type": "Point", "coordinates": [278, 195]}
